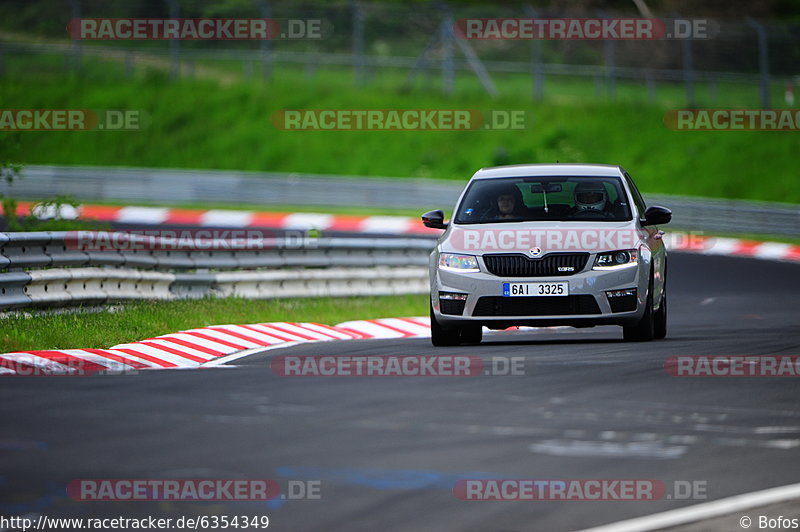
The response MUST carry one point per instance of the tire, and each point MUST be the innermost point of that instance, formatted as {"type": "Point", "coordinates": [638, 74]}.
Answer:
{"type": "Point", "coordinates": [471, 334]}
{"type": "Point", "coordinates": [441, 337]}
{"type": "Point", "coordinates": [660, 318]}
{"type": "Point", "coordinates": [644, 331]}
{"type": "Point", "coordinates": [465, 334]}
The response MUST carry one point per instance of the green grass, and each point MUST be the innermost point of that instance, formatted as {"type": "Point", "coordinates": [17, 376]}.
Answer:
{"type": "Point", "coordinates": [140, 320]}
{"type": "Point", "coordinates": [199, 123]}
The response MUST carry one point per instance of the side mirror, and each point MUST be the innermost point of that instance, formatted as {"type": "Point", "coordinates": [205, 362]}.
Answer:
{"type": "Point", "coordinates": [657, 216]}
{"type": "Point", "coordinates": [434, 220]}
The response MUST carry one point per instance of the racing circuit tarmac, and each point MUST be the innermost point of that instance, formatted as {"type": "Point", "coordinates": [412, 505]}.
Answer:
{"type": "Point", "coordinates": [388, 451]}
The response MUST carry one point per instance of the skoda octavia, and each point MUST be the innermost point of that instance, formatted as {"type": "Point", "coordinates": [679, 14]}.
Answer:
{"type": "Point", "coordinates": [549, 244]}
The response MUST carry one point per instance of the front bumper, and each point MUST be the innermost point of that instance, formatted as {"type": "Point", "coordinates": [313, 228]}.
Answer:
{"type": "Point", "coordinates": [587, 304]}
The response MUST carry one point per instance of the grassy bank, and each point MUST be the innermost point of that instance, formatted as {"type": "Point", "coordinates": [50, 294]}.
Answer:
{"type": "Point", "coordinates": [140, 320]}
{"type": "Point", "coordinates": [201, 123]}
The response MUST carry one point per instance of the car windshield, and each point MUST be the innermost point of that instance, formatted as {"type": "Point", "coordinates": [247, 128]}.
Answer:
{"type": "Point", "coordinates": [523, 199]}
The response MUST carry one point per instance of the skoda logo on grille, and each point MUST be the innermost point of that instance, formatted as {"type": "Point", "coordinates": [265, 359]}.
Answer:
{"type": "Point", "coordinates": [535, 252]}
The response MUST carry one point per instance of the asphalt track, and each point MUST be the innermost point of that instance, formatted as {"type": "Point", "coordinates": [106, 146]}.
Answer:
{"type": "Point", "coordinates": [387, 451]}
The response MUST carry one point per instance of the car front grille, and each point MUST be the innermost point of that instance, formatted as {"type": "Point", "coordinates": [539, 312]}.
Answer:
{"type": "Point", "coordinates": [518, 265]}
{"type": "Point", "coordinates": [536, 306]}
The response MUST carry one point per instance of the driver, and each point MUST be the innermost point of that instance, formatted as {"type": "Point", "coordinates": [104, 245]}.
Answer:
{"type": "Point", "coordinates": [591, 198]}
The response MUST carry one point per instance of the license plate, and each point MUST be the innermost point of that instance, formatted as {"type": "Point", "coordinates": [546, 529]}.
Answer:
{"type": "Point", "coordinates": [535, 289]}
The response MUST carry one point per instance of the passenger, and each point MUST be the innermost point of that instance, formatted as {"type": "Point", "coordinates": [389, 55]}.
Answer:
{"type": "Point", "coordinates": [506, 205]}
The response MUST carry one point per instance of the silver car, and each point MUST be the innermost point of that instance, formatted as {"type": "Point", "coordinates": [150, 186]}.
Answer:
{"type": "Point", "coordinates": [548, 244]}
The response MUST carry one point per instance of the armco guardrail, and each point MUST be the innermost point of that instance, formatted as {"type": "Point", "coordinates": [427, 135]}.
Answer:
{"type": "Point", "coordinates": [149, 185]}
{"type": "Point", "coordinates": [43, 269]}
{"type": "Point", "coordinates": [716, 216]}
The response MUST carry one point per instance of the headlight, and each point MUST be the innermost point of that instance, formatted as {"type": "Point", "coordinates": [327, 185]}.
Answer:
{"type": "Point", "coordinates": [458, 263]}
{"type": "Point", "coordinates": [616, 259]}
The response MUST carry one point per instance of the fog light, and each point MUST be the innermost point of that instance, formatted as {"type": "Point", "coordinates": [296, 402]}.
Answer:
{"type": "Point", "coordinates": [621, 293]}
{"type": "Point", "coordinates": [452, 303]}
{"type": "Point", "coordinates": [452, 296]}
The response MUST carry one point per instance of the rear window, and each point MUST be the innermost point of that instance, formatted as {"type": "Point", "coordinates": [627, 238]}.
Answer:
{"type": "Point", "coordinates": [522, 199]}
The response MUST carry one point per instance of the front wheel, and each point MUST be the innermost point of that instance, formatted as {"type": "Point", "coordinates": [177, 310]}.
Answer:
{"type": "Point", "coordinates": [464, 334]}
{"type": "Point", "coordinates": [644, 331]}
{"type": "Point", "coordinates": [471, 334]}
{"type": "Point", "coordinates": [440, 336]}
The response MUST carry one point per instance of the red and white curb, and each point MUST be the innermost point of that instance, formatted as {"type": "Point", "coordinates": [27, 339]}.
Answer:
{"type": "Point", "coordinates": [389, 225]}
{"type": "Point", "coordinates": [394, 225]}
{"type": "Point", "coordinates": [732, 247]}
{"type": "Point", "coordinates": [199, 347]}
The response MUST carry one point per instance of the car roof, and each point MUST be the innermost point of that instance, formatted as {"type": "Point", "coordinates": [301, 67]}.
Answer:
{"type": "Point", "coordinates": [536, 170]}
